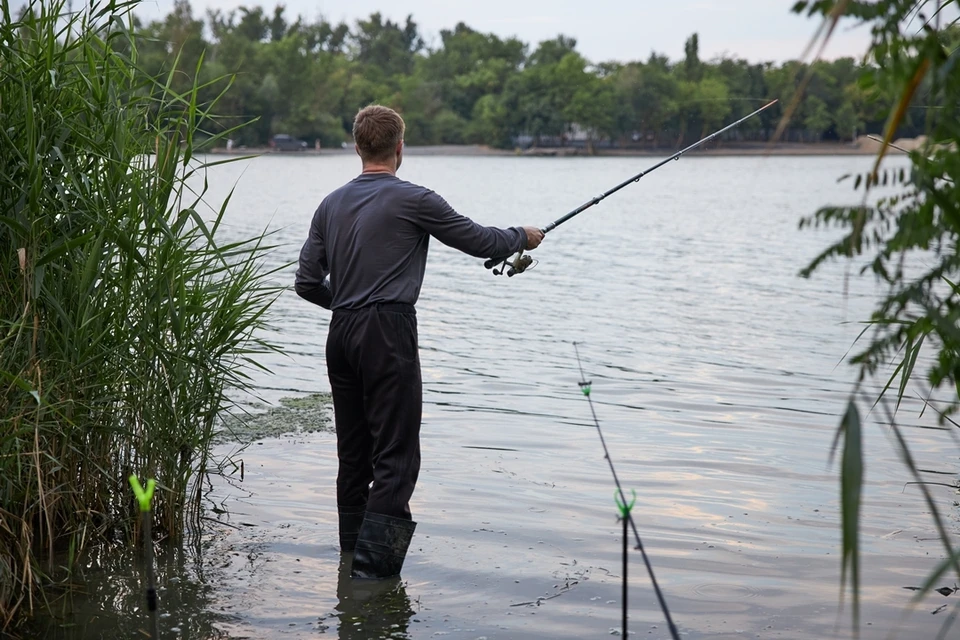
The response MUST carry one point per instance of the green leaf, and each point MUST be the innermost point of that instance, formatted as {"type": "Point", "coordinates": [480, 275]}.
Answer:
{"type": "Point", "coordinates": [851, 487]}
{"type": "Point", "coordinates": [62, 247]}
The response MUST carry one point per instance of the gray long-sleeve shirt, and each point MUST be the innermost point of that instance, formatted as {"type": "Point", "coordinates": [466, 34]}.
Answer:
{"type": "Point", "coordinates": [371, 236]}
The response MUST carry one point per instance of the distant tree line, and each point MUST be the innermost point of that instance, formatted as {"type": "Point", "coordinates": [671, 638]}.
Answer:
{"type": "Point", "coordinates": [308, 79]}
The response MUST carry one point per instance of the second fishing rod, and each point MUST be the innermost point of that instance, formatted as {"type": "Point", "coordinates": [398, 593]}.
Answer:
{"type": "Point", "coordinates": [521, 262]}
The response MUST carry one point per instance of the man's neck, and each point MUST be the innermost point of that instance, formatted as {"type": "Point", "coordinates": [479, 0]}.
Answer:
{"type": "Point", "coordinates": [380, 168]}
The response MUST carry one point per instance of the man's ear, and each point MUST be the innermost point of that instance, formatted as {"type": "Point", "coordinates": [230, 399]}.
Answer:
{"type": "Point", "coordinates": [357, 149]}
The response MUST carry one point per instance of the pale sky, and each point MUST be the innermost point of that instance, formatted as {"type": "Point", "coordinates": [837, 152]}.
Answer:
{"type": "Point", "coordinates": [758, 30]}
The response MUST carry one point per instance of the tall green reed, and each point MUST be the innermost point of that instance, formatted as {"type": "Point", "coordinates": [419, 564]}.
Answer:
{"type": "Point", "coordinates": [910, 241]}
{"type": "Point", "coordinates": [125, 325]}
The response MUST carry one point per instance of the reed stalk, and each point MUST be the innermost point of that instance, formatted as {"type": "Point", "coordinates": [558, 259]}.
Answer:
{"type": "Point", "coordinates": [126, 326]}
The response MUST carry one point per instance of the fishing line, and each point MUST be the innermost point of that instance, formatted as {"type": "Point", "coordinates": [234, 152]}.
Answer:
{"type": "Point", "coordinates": [522, 262]}
{"type": "Point", "coordinates": [624, 509]}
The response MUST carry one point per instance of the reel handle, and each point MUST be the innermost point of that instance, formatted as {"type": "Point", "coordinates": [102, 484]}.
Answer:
{"type": "Point", "coordinates": [505, 265]}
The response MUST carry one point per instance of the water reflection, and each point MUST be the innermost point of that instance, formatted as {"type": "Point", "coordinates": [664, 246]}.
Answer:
{"type": "Point", "coordinates": [371, 609]}
{"type": "Point", "coordinates": [111, 601]}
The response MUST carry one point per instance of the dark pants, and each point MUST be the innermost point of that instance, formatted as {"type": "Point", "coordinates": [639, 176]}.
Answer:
{"type": "Point", "coordinates": [374, 367]}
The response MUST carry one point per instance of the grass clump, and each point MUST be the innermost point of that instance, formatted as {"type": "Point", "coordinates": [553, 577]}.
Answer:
{"type": "Point", "coordinates": [124, 323]}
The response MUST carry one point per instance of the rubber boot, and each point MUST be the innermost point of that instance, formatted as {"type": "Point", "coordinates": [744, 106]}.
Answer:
{"type": "Point", "coordinates": [350, 520]}
{"type": "Point", "coordinates": [381, 546]}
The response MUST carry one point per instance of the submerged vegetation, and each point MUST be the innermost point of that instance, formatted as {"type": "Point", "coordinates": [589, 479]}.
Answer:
{"type": "Point", "coordinates": [294, 415]}
{"type": "Point", "coordinates": [911, 240]}
{"type": "Point", "coordinates": [124, 324]}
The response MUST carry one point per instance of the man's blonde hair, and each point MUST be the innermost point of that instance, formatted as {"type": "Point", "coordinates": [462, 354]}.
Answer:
{"type": "Point", "coordinates": [377, 130]}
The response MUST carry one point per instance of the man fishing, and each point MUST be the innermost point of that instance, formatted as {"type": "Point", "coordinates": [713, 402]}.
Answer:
{"type": "Point", "coordinates": [370, 238]}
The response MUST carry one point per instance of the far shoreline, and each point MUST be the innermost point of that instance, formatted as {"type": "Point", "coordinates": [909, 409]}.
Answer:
{"type": "Point", "coordinates": [742, 149]}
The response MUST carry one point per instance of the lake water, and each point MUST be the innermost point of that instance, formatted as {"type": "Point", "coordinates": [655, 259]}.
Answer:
{"type": "Point", "coordinates": [717, 377]}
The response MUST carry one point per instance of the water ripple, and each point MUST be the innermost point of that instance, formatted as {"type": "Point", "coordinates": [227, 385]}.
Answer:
{"type": "Point", "coordinates": [715, 374]}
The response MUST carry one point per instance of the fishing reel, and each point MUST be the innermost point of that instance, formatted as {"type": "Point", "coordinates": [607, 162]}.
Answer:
{"type": "Point", "coordinates": [519, 264]}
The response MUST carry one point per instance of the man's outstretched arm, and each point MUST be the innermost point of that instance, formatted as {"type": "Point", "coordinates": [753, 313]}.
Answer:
{"type": "Point", "coordinates": [439, 219]}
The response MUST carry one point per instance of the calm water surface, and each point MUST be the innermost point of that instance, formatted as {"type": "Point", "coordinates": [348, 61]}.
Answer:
{"type": "Point", "coordinates": [717, 377]}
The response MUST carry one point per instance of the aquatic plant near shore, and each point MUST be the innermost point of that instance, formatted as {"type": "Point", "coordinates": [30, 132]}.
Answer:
{"type": "Point", "coordinates": [124, 322]}
{"type": "Point", "coordinates": [916, 51]}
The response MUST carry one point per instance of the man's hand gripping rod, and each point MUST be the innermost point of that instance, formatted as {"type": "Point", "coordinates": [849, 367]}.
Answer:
{"type": "Point", "coordinates": [522, 262]}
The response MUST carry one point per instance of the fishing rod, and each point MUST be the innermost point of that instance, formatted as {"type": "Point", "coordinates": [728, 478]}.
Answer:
{"type": "Point", "coordinates": [626, 516]}
{"type": "Point", "coordinates": [522, 262]}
